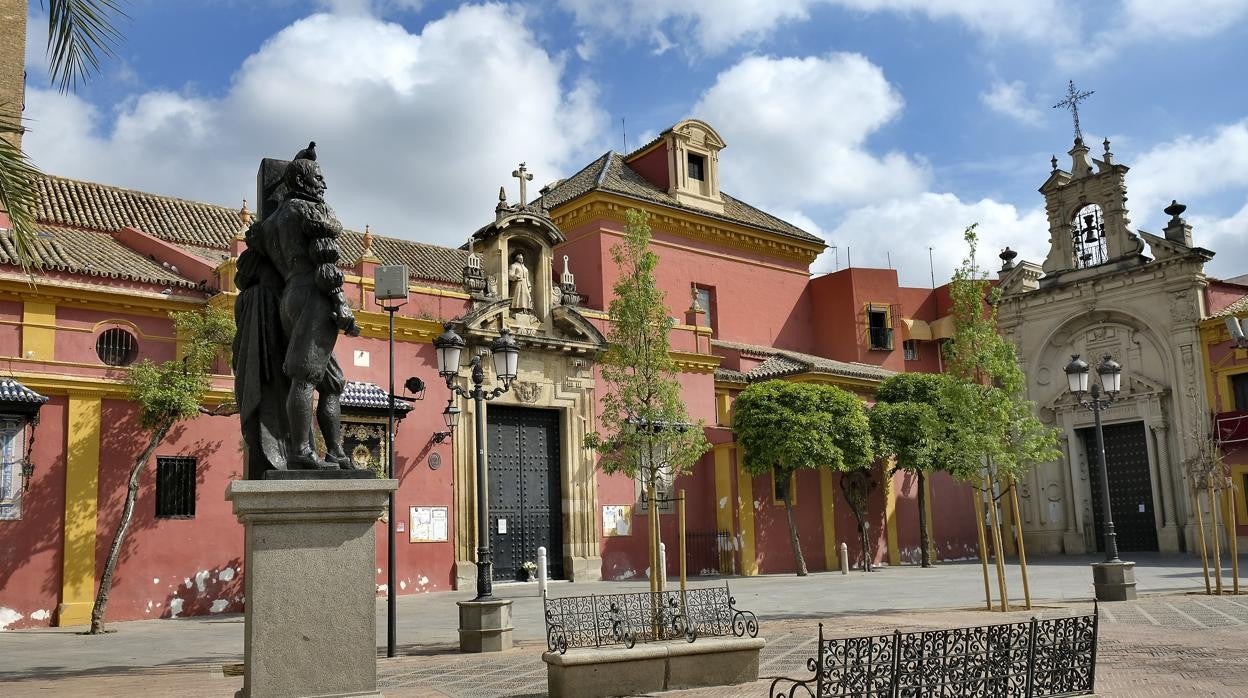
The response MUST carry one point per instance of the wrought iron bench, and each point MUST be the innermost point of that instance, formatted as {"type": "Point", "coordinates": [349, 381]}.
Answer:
{"type": "Point", "coordinates": [611, 619]}
{"type": "Point", "coordinates": [1032, 659]}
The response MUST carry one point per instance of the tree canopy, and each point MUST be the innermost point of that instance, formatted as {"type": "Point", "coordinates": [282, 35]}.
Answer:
{"type": "Point", "coordinates": [790, 426]}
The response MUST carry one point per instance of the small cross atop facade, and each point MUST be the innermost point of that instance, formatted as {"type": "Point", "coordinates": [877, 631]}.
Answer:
{"type": "Point", "coordinates": [525, 177]}
{"type": "Point", "coordinates": [1073, 98]}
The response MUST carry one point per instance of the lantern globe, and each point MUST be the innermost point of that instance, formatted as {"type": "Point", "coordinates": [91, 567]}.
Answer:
{"type": "Point", "coordinates": [1110, 372]}
{"type": "Point", "coordinates": [450, 415]}
{"type": "Point", "coordinates": [449, 346]}
{"type": "Point", "coordinates": [506, 355]}
{"type": "Point", "coordinates": [1077, 375]}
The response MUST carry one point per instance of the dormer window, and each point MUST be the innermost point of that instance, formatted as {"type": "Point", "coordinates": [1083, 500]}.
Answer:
{"type": "Point", "coordinates": [697, 167]}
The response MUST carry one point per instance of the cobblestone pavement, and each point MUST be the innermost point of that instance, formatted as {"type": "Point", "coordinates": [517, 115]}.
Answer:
{"type": "Point", "coordinates": [1171, 645]}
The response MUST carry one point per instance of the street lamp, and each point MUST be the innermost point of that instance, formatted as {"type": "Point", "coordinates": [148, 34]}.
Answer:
{"type": "Point", "coordinates": [450, 416]}
{"type": "Point", "coordinates": [1099, 397]}
{"type": "Point", "coordinates": [506, 355]}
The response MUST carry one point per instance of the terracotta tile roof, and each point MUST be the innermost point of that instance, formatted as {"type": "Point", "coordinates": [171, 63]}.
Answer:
{"type": "Point", "coordinates": [13, 393]}
{"type": "Point", "coordinates": [1237, 308]}
{"type": "Point", "coordinates": [92, 253]}
{"type": "Point", "coordinates": [728, 375]}
{"type": "Point", "coordinates": [76, 204]}
{"type": "Point", "coordinates": [783, 362]}
{"type": "Point", "coordinates": [77, 215]}
{"type": "Point", "coordinates": [363, 395]}
{"type": "Point", "coordinates": [610, 173]}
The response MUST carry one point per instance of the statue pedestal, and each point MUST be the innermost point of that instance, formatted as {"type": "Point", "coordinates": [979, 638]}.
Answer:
{"type": "Point", "coordinates": [1114, 581]}
{"type": "Point", "coordinates": [311, 626]}
{"type": "Point", "coordinates": [485, 626]}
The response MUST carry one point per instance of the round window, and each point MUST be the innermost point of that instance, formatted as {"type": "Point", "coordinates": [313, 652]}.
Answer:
{"type": "Point", "coordinates": [117, 347]}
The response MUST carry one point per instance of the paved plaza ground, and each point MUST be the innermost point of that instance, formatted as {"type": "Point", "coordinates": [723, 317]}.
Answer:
{"type": "Point", "coordinates": [1168, 643]}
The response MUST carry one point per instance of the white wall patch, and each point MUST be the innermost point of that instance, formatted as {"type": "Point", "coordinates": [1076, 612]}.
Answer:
{"type": "Point", "coordinates": [8, 617]}
{"type": "Point", "coordinates": [41, 614]}
{"type": "Point", "coordinates": [175, 607]}
{"type": "Point", "coordinates": [219, 605]}
{"type": "Point", "coordinates": [226, 574]}
{"type": "Point", "coordinates": [361, 358]}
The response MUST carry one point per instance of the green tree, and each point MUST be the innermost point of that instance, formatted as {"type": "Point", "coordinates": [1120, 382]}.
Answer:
{"type": "Point", "coordinates": [646, 431]}
{"type": "Point", "coordinates": [785, 427]}
{"type": "Point", "coordinates": [165, 394]}
{"type": "Point", "coordinates": [80, 32]}
{"type": "Point", "coordinates": [993, 427]}
{"type": "Point", "coordinates": [909, 422]}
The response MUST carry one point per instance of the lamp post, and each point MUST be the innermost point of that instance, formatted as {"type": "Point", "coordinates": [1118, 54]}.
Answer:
{"type": "Point", "coordinates": [1115, 579]}
{"type": "Point", "coordinates": [506, 355]}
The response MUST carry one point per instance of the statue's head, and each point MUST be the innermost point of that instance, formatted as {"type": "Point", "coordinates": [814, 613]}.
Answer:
{"type": "Point", "coordinates": [518, 258]}
{"type": "Point", "coordinates": [304, 180]}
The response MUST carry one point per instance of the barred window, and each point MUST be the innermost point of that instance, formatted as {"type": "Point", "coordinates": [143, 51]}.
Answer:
{"type": "Point", "coordinates": [911, 348]}
{"type": "Point", "coordinates": [117, 347]}
{"type": "Point", "coordinates": [175, 487]}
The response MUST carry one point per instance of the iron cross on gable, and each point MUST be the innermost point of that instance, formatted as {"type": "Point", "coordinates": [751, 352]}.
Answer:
{"type": "Point", "coordinates": [1073, 98]}
{"type": "Point", "coordinates": [525, 177]}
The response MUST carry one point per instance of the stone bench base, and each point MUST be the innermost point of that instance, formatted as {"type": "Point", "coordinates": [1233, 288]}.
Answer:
{"type": "Point", "coordinates": [661, 666]}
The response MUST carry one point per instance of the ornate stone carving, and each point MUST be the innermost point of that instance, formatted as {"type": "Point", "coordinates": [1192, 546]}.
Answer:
{"type": "Point", "coordinates": [527, 391]}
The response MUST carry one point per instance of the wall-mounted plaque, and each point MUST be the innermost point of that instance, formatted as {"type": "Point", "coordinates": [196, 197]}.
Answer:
{"type": "Point", "coordinates": [428, 524]}
{"type": "Point", "coordinates": [435, 461]}
{"type": "Point", "coordinates": [617, 520]}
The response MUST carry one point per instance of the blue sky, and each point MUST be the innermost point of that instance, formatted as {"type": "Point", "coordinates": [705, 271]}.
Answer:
{"type": "Point", "coordinates": [884, 125]}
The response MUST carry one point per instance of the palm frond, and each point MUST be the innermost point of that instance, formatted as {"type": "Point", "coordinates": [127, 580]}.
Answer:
{"type": "Point", "coordinates": [19, 196]}
{"type": "Point", "coordinates": [79, 33]}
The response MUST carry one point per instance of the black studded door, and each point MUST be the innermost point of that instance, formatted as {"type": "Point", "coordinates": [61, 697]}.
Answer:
{"type": "Point", "coordinates": [526, 503]}
{"type": "Point", "coordinates": [1130, 486]}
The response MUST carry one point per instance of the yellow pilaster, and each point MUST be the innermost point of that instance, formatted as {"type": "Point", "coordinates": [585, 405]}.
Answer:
{"type": "Point", "coordinates": [723, 497]}
{"type": "Point", "coordinates": [38, 330]}
{"type": "Point", "coordinates": [745, 514]}
{"type": "Point", "coordinates": [827, 495]}
{"type": "Point", "coordinates": [890, 517]}
{"type": "Point", "coordinates": [82, 474]}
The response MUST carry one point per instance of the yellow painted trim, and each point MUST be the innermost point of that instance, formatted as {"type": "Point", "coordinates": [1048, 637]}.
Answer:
{"type": "Point", "coordinates": [376, 325]}
{"type": "Point", "coordinates": [695, 363]}
{"type": "Point", "coordinates": [53, 384]}
{"type": "Point", "coordinates": [1238, 472]}
{"type": "Point", "coordinates": [599, 205]}
{"type": "Point", "coordinates": [82, 475]}
{"type": "Point", "coordinates": [890, 517]}
{"type": "Point", "coordinates": [128, 300]}
{"type": "Point", "coordinates": [745, 514]}
{"type": "Point", "coordinates": [827, 495]}
{"type": "Point", "coordinates": [839, 381]}
{"type": "Point", "coordinates": [38, 330]}
{"type": "Point", "coordinates": [1208, 336]}
{"type": "Point", "coordinates": [729, 385]}
{"type": "Point", "coordinates": [723, 407]}
{"type": "Point", "coordinates": [367, 283]}
{"type": "Point", "coordinates": [723, 489]}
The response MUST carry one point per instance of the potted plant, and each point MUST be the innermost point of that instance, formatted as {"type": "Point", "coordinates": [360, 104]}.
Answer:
{"type": "Point", "coordinates": [530, 570]}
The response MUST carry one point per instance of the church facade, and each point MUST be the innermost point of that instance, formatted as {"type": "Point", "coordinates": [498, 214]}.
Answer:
{"type": "Point", "coordinates": [1108, 291]}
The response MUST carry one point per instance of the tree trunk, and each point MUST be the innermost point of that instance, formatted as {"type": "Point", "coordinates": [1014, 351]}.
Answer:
{"type": "Point", "coordinates": [854, 487]}
{"type": "Point", "coordinates": [798, 559]}
{"type": "Point", "coordinates": [123, 526]}
{"type": "Point", "coordinates": [925, 536]}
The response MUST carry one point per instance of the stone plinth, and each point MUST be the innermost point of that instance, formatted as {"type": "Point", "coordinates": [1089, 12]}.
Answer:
{"type": "Point", "coordinates": [649, 668]}
{"type": "Point", "coordinates": [485, 626]}
{"type": "Point", "coordinates": [311, 625]}
{"type": "Point", "coordinates": [1114, 581]}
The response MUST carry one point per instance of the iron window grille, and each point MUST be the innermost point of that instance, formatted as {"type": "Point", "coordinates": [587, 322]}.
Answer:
{"type": "Point", "coordinates": [175, 487]}
{"type": "Point", "coordinates": [911, 349]}
{"type": "Point", "coordinates": [879, 331]}
{"type": "Point", "coordinates": [117, 347]}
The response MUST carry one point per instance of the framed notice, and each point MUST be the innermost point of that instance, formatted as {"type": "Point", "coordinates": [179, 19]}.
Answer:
{"type": "Point", "coordinates": [617, 520]}
{"type": "Point", "coordinates": [428, 524]}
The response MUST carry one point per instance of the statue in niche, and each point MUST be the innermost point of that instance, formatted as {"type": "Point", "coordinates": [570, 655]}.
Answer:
{"type": "Point", "coordinates": [491, 286]}
{"type": "Point", "coordinates": [289, 312]}
{"type": "Point", "coordinates": [521, 287]}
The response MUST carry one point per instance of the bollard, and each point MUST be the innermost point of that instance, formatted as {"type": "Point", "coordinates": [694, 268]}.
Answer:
{"type": "Point", "coordinates": [844, 559]}
{"type": "Point", "coordinates": [662, 572]}
{"type": "Point", "coordinates": [541, 569]}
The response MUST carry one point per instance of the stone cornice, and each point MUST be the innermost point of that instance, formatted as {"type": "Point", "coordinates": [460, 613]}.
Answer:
{"type": "Point", "coordinates": [128, 300]}
{"type": "Point", "coordinates": [690, 362]}
{"type": "Point", "coordinates": [600, 205]}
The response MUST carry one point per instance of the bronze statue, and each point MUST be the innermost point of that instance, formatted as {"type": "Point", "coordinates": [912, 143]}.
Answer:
{"type": "Point", "coordinates": [289, 312]}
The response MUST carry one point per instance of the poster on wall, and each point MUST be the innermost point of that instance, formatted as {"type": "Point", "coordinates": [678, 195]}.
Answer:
{"type": "Point", "coordinates": [617, 520]}
{"type": "Point", "coordinates": [428, 525]}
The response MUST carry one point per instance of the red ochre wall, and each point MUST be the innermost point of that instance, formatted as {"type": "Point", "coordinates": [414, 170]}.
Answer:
{"type": "Point", "coordinates": [31, 547]}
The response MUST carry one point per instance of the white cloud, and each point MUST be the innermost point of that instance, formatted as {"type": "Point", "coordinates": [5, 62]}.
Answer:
{"type": "Point", "coordinates": [796, 130]}
{"type": "Point", "coordinates": [903, 229]}
{"type": "Point", "coordinates": [1010, 99]}
{"type": "Point", "coordinates": [716, 26]}
{"type": "Point", "coordinates": [415, 131]}
{"type": "Point", "coordinates": [1182, 18]}
{"type": "Point", "coordinates": [1190, 169]}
